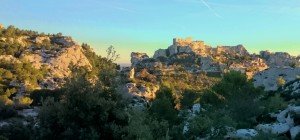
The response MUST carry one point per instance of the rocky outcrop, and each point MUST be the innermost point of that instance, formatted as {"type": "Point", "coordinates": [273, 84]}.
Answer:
{"type": "Point", "coordinates": [278, 59]}
{"type": "Point", "coordinates": [276, 128]}
{"type": "Point", "coordinates": [71, 55]}
{"type": "Point", "coordinates": [131, 73]}
{"type": "Point", "coordinates": [268, 78]}
{"type": "Point", "coordinates": [141, 90]}
{"type": "Point", "coordinates": [284, 122]}
{"type": "Point", "coordinates": [64, 40]}
{"type": "Point", "coordinates": [41, 39]}
{"type": "Point", "coordinates": [58, 62]}
{"type": "Point", "coordinates": [238, 50]}
{"type": "Point", "coordinates": [35, 59]}
{"type": "Point", "coordinates": [160, 53]}
{"type": "Point", "coordinates": [33, 113]}
{"type": "Point", "coordinates": [21, 40]}
{"type": "Point", "coordinates": [138, 57]}
{"type": "Point", "coordinates": [206, 63]}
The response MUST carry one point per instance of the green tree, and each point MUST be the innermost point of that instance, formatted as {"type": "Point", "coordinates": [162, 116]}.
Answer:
{"type": "Point", "coordinates": [163, 106]}
{"type": "Point", "coordinates": [239, 96]}
{"type": "Point", "coordinates": [112, 54]}
{"type": "Point", "coordinates": [86, 111]}
{"type": "Point", "coordinates": [10, 31]}
{"type": "Point", "coordinates": [138, 127]}
{"type": "Point", "coordinates": [189, 98]}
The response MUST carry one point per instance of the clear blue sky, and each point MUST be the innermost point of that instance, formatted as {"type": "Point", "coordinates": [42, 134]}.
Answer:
{"type": "Point", "coordinates": [147, 25]}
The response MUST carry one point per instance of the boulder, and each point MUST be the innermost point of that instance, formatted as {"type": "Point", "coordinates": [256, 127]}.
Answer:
{"type": "Point", "coordinates": [28, 113]}
{"type": "Point", "coordinates": [281, 117]}
{"type": "Point", "coordinates": [196, 108]}
{"type": "Point", "coordinates": [275, 128]}
{"type": "Point", "coordinates": [3, 124]}
{"type": "Point", "coordinates": [294, 131]}
{"type": "Point", "coordinates": [185, 128]}
{"type": "Point", "coordinates": [242, 134]}
{"type": "Point", "coordinates": [295, 109]}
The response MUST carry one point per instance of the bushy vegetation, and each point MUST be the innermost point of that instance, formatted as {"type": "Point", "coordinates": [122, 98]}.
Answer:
{"type": "Point", "coordinates": [91, 105]}
{"type": "Point", "coordinates": [19, 72]}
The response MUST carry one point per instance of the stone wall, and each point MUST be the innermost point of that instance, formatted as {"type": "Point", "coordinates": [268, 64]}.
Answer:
{"type": "Point", "coordinates": [182, 41]}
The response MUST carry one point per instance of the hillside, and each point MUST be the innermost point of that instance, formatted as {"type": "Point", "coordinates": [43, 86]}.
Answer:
{"type": "Point", "coordinates": [195, 57]}
{"type": "Point", "coordinates": [32, 60]}
{"type": "Point", "coordinates": [51, 87]}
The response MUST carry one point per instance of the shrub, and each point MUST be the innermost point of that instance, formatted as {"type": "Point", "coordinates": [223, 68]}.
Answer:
{"type": "Point", "coordinates": [23, 101]}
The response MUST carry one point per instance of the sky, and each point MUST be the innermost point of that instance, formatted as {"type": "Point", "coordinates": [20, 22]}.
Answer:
{"type": "Point", "coordinates": [147, 25]}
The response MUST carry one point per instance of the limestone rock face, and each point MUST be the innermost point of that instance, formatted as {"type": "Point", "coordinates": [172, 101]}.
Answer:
{"type": "Point", "coordinates": [72, 55]}
{"type": "Point", "coordinates": [141, 90]}
{"type": "Point", "coordinates": [160, 53]}
{"type": "Point", "coordinates": [35, 59]}
{"type": "Point", "coordinates": [40, 39]}
{"type": "Point", "coordinates": [57, 62]}
{"type": "Point", "coordinates": [239, 49]}
{"type": "Point", "coordinates": [268, 77]}
{"type": "Point", "coordinates": [276, 59]}
{"type": "Point", "coordinates": [292, 88]}
{"type": "Point", "coordinates": [206, 63]}
{"type": "Point", "coordinates": [131, 73]}
{"type": "Point", "coordinates": [138, 57]}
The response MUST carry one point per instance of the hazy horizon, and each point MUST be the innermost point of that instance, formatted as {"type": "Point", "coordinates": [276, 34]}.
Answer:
{"type": "Point", "coordinates": [145, 26]}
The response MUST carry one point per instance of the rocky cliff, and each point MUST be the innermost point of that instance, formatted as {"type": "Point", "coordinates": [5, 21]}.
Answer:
{"type": "Point", "coordinates": [33, 61]}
